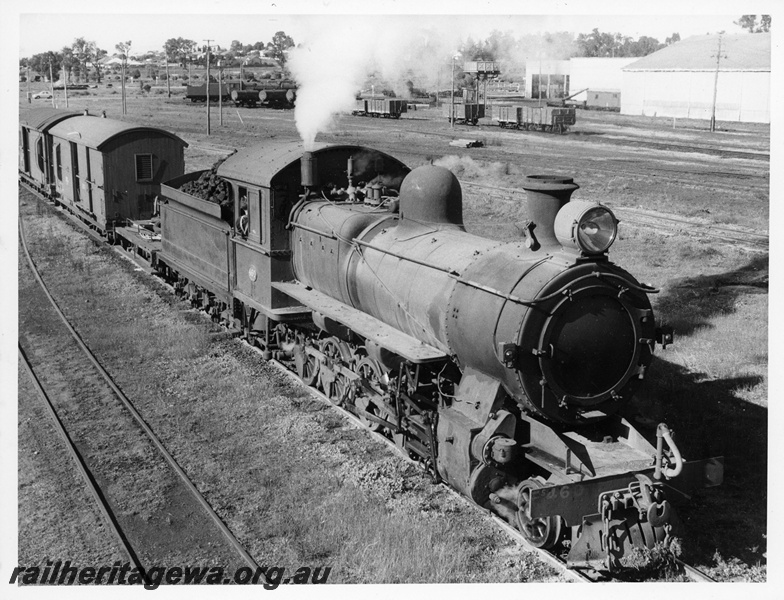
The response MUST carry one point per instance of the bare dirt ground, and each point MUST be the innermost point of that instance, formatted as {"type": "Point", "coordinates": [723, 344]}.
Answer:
{"type": "Point", "coordinates": [711, 386]}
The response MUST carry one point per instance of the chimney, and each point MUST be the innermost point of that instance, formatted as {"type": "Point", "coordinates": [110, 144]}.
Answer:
{"type": "Point", "coordinates": [546, 194]}
{"type": "Point", "coordinates": [308, 170]}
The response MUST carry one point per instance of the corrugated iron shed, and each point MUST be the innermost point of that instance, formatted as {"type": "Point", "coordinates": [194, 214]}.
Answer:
{"type": "Point", "coordinates": [739, 52]}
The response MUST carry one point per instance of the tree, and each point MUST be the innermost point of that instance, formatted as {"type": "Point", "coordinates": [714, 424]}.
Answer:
{"type": "Point", "coordinates": [614, 44]}
{"type": "Point", "coordinates": [40, 62]}
{"type": "Point", "coordinates": [69, 61]}
{"type": "Point", "coordinates": [279, 44]}
{"type": "Point", "coordinates": [675, 37]}
{"type": "Point", "coordinates": [643, 47]}
{"type": "Point", "coordinates": [180, 49]}
{"type": "Point", "coordinates": [83, 52]}
{"type": "Point", "coordinates": [99, 54]}
{"type": "Point", "coordinates": [750, 22]}
{"type": "Point", "coordinates": [124, 49]}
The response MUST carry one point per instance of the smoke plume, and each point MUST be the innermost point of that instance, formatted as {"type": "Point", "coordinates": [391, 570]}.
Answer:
{"type": "Point", "coordinates": [341, 54]}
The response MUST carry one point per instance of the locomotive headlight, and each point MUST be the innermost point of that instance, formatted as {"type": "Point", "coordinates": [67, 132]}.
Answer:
{"type": "Point", "coordinates": [586, 226]}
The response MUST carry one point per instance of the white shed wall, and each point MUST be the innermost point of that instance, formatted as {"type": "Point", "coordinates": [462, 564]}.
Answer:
{"type": "Point", "coordinates": [741, 95]}
{"type": "Point", "coordinates": [598, 73]}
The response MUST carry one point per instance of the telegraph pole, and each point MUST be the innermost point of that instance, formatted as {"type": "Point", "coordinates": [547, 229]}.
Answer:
{"type": "Point", "coordinates": [452, 107]}
{"type": "Point", "coordinates": [51, 83]}
{"type": "Point", "coordinates": [65, 85]}
{"type": "Point", "coordinates": [220, 93]}
{"type": "Point", "coordinates": [207, 84]}
{"type": "Point", "coordinates": [715, 88]}
{"type": "Point", "coordinates": [122, 83]}
{"type": "Point", "coordinates": [168, 82]}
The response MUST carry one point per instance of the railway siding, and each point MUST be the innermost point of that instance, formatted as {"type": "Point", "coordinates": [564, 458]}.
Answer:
{"type": "Point", "coordinates": [156, 514]}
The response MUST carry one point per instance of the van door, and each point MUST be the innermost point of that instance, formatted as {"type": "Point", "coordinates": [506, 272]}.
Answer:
{"type": "Point", "coordinates": [75, 172]}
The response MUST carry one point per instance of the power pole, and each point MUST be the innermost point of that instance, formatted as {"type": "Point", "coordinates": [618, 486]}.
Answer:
{"type": "Point", "coordinates": [207, 84]}
{"type": "Point", "coordinates": [168, 83]}
{"type": "Point", "coordinates": [715, 88]}
{"type": "Point", "coordinates": [452, 107]}
{"type": "Point", "coordinates": [51, 83]}
{"type": "Point", "coordinates": [122, 82]}
{"type": "Point", "coordinates": [65, 85]}
{"type": "Point", "coordinates": [220, 93]}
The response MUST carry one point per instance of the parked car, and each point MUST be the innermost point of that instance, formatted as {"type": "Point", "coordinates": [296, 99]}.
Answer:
{"type": "Point", "coordinates": [44, 94]}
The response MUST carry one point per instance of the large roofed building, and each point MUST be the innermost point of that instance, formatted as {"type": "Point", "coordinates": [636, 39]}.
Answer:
{"type": "Point", "coordinates": [680, 80]}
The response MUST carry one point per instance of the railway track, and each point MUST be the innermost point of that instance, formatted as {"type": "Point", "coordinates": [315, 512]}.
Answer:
{"type": "Point", "coordinates": [93, 415]}
{"type": "Point", "coordinates": [546, 556]}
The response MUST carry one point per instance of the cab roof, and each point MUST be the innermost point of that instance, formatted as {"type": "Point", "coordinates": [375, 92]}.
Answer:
{"type": "Point", "coordinates": [259, 164]}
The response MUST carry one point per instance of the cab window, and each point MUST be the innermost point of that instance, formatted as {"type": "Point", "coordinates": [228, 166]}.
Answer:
{"type": "Point", "coordinates": [241, 219]}
{"type": "Point", "coordinates": [254, 208]}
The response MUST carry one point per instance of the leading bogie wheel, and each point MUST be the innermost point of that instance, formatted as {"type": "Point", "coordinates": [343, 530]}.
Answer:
{"type": "Point", "coordinates": [543, 532]}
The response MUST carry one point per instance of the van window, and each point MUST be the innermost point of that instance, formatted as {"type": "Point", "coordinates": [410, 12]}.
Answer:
{"type": "Point", "coordinates": [39, 150]}
{"type": "Point", "coordinates": [143, 167]}
{"type": "Point", "coordinates": [58, 162]}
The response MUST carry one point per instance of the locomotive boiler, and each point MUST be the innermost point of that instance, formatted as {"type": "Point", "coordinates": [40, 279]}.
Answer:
{"type": "Point", "coordinates": [503, 368]}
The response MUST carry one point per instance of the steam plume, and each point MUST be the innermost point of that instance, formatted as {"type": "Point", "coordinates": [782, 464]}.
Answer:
{"type": "Point", "coordinates": [341, 53]}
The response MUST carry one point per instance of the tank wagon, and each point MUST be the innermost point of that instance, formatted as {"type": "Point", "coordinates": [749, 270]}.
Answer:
{"type": "Point", "coordinates": [381, 107]}
{"type": "Point", "coordinates": [198, 93]}
{"type": "Point", "coordinates": [280, 93]}
{"type": "Point", "coordinates": [106, 172]}
{"type": "Point", "coordinates": [550, 119]}
{"type": "Point", "coordinates": [277, 93]}
{"type": "Point", "coordinates": [505, 368]}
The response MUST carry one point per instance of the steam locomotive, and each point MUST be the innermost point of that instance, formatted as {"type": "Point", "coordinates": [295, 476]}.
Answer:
{"type": "Point", "coordinates": [504, 368]}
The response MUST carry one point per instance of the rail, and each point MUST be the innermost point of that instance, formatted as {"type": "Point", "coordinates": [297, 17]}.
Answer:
{"type": "Point", "coordinates": [229, 536]}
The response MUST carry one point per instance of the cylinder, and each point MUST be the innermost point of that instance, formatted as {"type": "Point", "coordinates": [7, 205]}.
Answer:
{"type": "Point", "coordinates": [546, 195]}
